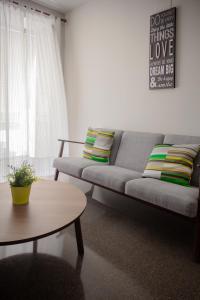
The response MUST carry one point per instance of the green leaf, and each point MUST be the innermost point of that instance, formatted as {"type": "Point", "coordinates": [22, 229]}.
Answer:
{"type": "Point", "coordinates": [22, 176]}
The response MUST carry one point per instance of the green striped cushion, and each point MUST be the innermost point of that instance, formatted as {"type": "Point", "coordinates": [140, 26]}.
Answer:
{"type": "Point", "coordinates": [102, 147]}
{"type": "Point", "coordinates": [98, 145]}
{"type": "Point", "coordinates": [172, 163]}
{"type": "Point", "coordinates": [89, 142]}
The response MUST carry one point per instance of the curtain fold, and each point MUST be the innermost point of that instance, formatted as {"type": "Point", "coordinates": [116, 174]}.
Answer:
{"type": "Point", "coordinates": [33, 112]}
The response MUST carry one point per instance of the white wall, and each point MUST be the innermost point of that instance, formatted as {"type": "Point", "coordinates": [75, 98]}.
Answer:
{"type": "Point", "coordinates": [106, 68]}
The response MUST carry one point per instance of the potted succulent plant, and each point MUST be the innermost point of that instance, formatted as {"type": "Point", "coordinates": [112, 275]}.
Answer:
{"type": "Point", "coordinates": [20, 180]}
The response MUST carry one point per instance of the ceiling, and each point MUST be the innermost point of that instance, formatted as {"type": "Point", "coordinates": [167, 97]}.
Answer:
{"type": "Point", "coordinates": [61, 6]}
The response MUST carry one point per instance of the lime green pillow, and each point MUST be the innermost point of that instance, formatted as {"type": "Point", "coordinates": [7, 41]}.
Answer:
{"type": "Point", "coordinates": [89, 142]}
{"type": "Point", "coordinates": [98, 144]}
{"type": "Point", "coordinates": [172, 163]}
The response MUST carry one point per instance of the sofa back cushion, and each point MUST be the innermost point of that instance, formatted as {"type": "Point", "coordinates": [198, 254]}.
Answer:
{"type": "Point", "coordinates": [135, 148]}
{"type": "Point", "coordinates": [186, 139]}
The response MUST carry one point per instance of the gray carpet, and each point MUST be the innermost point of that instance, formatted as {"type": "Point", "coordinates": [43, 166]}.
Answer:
{"type": "Point", "coordinates": [145, 255]}
{"type": "Point", "coordinates": [152, 249]}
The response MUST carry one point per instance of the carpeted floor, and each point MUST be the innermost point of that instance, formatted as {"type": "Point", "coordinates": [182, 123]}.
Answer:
{"type": "Point", "coordinates": [151, 251]}
{"type": "Point", "coordinates": [144, 256]}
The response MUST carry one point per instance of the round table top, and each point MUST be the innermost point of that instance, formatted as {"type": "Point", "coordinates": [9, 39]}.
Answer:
{"type": "Point", "coordinates": [52, 206]}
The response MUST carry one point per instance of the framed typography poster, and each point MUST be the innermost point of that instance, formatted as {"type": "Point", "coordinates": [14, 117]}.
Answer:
{"type": "Point", "coordinates": [162, 49]}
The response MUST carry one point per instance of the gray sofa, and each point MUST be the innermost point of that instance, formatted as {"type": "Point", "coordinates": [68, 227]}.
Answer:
{"type": "Point", "coordinates": [123, 175]}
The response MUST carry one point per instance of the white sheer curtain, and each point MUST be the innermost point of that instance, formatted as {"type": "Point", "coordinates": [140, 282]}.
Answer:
{"type": "Point", "coordinates": [33, 111]}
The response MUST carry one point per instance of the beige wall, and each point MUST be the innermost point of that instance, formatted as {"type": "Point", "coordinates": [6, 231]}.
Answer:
{"type": "Point", "coordinates": [106, 68]}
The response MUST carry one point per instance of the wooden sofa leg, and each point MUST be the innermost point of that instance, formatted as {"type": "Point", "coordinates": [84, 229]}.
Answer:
{"type": "Point", "coordinates": [59, 155]}
{"type": "Point", "coordinates": [56, 175]}
{"type": "Point", "coordinates": [197, 241]}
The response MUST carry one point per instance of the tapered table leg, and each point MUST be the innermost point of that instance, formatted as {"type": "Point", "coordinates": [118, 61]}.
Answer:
{"type": "Point", "coordinates": [79, 238]}
{"type": "Point", "coordinates": [35, 243]}
{"type": "Point", "coordinates": [197, 242]}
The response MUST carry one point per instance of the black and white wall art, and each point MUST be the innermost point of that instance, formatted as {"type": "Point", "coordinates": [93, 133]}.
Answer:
{"type": "Point", "coordinates": [162, 49]}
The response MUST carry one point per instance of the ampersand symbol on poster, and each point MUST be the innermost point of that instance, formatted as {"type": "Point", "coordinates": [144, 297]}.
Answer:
{"type": "Point", "coordinates": [153, 82]}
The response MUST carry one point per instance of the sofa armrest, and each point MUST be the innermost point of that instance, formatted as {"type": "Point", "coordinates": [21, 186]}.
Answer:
{"type": "Point", "coordinates": [61, 152]}
{"type": "Point", "coordinates": [63, 143]}
{"type": "Point", "coordinates": [69, 141]}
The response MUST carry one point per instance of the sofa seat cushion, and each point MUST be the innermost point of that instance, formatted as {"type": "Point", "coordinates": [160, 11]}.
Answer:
{"type": "Point", "coordinates": [112, 177]}
{"type": "Point", "coordinates": [73, 165]}
{"type": "Point", "coordinates": [174, 197]}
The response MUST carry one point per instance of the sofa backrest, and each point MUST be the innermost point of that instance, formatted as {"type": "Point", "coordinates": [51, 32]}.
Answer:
{"type": "Point", "coordinates": [135, 148]}
{"type": "Point", "coordinates": [116, 143]}
{"type": "Point", "coordinates": [115, 146]}
{"type": "Point", "coordinates": [186, 139]}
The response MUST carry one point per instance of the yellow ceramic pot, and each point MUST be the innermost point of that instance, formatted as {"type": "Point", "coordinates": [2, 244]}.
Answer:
{"type": "Point", "coordinates": [20, 195]}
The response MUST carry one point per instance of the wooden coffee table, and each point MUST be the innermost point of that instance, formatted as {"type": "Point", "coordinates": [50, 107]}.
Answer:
{"type": "Point", "coordinates": [52, 207]}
